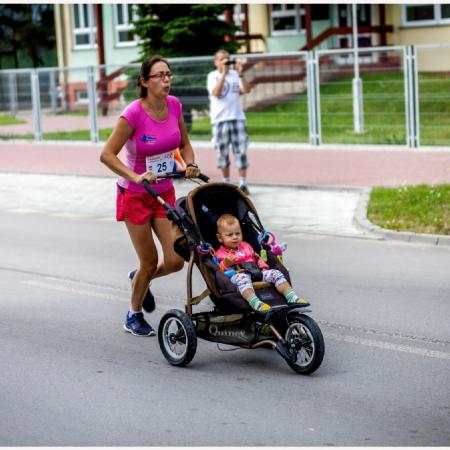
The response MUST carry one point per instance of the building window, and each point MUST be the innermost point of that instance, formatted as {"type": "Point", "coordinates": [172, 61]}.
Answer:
{"type": "Point", "coordinates": [320, 11]}
{"type": "Point", "coordinates": [124, 15]}
{"type": "Point", "coordinates": [84, 29]}
{"type": "Point", "coordinates": [445, 11]}
{"type": "Point", "coordinates": [239, 18]}
{"type": "Point", "coordinates": [286, 19]}
{"type": "Point", "coordinates": [81, 96]}
{"type": "Point", "coordinates": [414, 15]}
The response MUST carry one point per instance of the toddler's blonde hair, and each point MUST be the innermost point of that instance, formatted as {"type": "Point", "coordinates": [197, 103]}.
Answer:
{"type": "Point", "coordinates": [226, 219]}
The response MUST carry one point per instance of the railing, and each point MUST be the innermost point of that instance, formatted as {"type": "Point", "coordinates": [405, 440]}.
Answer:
{"type": "Point", "coordinates": [334, 31]}
{"type": "Point", "coordinates": [299, 97]}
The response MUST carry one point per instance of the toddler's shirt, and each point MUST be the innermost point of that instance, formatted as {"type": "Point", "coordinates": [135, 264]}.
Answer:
{"type": "Point", "coordinates": [243, 253]}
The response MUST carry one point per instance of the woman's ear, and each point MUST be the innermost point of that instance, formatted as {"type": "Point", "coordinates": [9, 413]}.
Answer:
{"type": "Point", "coordinates": [143, 82]}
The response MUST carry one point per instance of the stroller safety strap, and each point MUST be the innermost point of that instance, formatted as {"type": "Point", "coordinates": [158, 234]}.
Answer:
{"type": "Point", "coordinates": [197, 299]}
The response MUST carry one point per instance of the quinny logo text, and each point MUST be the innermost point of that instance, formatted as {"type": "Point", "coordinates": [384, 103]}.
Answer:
{"type": "Point", "coordinates": [214, 330]}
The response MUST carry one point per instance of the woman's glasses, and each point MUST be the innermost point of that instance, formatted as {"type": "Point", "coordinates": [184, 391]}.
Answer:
{"type": "Point", "coordinates": [162, 75]}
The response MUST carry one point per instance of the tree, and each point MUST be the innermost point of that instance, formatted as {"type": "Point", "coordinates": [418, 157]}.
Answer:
{"type": "Point", "coordinates": [183, 29]}
{"type": "Point", "coordinates": [177, 30]}
{"type": "Point", "coordinates": [27, 29]}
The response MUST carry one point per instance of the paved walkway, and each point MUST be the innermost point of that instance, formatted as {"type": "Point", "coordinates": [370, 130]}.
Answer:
{"type": "Point", "coordinates": [294, 189]}
{"type": "Point", "coordinates": [286, 209]}
{"type": "Point", "coordinates": [270, 163]}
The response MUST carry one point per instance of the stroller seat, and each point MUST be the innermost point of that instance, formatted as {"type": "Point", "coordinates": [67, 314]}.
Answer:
{"type": "Point", "coordinates": [204, 205]}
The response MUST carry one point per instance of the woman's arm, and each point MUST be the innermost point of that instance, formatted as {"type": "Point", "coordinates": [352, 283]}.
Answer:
{"type": "Point", "coordinates": [112, 148]}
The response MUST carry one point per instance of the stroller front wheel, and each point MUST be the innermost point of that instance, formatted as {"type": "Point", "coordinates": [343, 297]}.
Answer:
{"type": "Point", "coordinates": [177, 337]}
{"type": "Point", "coordinates": [305, 344]}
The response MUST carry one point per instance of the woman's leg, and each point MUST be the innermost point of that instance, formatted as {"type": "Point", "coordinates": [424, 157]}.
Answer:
{"type": "Point", "coordinates": [167, 232]}
{"type": "Point", "coordinates": [142, 239]}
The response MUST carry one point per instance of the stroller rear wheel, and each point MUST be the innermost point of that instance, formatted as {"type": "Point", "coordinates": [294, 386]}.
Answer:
{"type": "Point", "coordinates": [305, 344]}
{"type": "Point", "coordinates": [177, 337]}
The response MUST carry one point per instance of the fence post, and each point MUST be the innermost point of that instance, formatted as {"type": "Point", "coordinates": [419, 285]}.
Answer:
{"type": "Point", "coordinates": [358, 115]}
{"type": "Point", "coordinates": [411, 97]}
{"type": "Point", "coordinates": [92, 95]}
{"type": "Point", "coordinates": [53, 91]}
{"type": "Point", "coordinates": [12, 87]}
{"type": "Point", "coordinates": [36, 101]}
{"type": "Point", "coordinates": [313, 93]}
{"type": "Point", "coordinates": [414, 69]}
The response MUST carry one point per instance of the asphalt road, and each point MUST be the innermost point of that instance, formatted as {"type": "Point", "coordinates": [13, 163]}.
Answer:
{"type": "Point", "coordinates": [70, 376]}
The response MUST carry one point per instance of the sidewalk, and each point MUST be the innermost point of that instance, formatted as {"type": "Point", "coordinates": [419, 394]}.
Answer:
{"type": "Point", "coordinates": [325, 190]}
{"type": "Point", "coordinates": [270, 163]}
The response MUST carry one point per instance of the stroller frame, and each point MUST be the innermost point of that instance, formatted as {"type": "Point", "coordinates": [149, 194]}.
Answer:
{"type": "Point", "coordinates": [285, 328]}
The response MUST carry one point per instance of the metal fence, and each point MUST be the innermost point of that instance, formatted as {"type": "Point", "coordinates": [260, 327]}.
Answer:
{"type": "Point", "coordinates": [301, 97]}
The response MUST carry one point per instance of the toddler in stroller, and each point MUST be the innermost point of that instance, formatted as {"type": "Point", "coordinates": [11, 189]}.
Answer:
{"type": "Point", "coordinates": [239, 262]}
{"type": "Point", "coordinates": [284, 326]}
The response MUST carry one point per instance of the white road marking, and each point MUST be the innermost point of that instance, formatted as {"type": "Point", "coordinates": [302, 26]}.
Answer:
{"type": "Point", "coordinates": [55, 287]}
{"type": "Point", "coordinates": [337, 337]}
{"type": "Point", "coordinates": [388, 346]}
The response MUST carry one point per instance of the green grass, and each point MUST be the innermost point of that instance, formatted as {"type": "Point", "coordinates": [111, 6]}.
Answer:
{"type": "Point", "coordinates": [420, 209]}
{"type": "Point", "coordinates": [77, 135]}
{"type": "Point", "coordinates": [81, 112]}
{"type": "Point", "coordinates": [10, 120]}
{"type": "Point", "coordinates": [384, 113]}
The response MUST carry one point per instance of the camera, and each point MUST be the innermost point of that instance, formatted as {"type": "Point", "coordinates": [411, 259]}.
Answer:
{"type": "Point", "coordinates": [229, 62]}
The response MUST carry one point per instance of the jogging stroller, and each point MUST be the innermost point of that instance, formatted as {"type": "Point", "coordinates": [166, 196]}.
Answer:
{"type": "Point", "coordinates": [285, 328]}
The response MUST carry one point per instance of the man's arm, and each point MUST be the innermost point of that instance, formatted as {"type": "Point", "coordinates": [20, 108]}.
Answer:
{"type": "Point", "coordinates": [245, 85]}
{"type": "Point", "coordinates": [217, 91]}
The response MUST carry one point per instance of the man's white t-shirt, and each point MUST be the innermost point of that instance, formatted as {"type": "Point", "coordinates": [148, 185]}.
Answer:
{"type": "Point", "coordinates": [228, 105]}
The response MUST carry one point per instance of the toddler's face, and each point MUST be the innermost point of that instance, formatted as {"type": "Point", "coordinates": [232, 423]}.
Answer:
{"type": "Point", "coordinates": [230, 235]}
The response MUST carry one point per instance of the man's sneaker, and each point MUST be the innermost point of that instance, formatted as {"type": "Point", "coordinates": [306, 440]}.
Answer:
{"type": "Point", "coordinates": [137, 325]}
{"type": "Point", "coordinates": [149, 300]}
{"type": "Point", "coordinates": [244, 189]}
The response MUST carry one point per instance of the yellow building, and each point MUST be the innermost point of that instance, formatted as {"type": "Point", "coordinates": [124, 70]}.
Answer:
{"type": "Point", "coordinates": [290, 27]}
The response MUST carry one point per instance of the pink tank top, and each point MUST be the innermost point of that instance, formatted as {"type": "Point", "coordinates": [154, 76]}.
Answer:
{"type": "Point", "coordinates": [151, 142]}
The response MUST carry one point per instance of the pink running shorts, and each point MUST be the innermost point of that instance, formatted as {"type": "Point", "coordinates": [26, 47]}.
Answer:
{"type": "Point", "coordinates": [140, 207]}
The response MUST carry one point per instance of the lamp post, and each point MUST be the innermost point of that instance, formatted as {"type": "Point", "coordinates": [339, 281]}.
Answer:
{"type": "Point", "coordinates": [358, 118]}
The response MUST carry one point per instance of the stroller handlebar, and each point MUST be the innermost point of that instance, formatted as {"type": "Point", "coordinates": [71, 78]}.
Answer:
{"type": "Point", "coordinates": [182, 174]}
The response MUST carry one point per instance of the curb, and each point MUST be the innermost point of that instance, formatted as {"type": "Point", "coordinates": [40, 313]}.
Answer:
{"type": "Point", "coordinates": [406, 236]}
{"type": "Point", "coordinates": [256, 145]}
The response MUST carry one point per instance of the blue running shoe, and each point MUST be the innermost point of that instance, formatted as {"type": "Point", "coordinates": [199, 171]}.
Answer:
{"type": "Point", "coordinates": [137, 325]}
{"type": "Point", "coordinates": [149, 300]}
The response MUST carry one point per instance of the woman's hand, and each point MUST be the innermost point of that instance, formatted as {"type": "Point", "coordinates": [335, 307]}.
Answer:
{"type": "Point", "coordinates": [148, 176]}
{"type": "Point", "coordinates": [192, 171]}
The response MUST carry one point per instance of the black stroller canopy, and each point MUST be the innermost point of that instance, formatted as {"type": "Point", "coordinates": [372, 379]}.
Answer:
{"type": "Point", "coordinates": [208, 202]}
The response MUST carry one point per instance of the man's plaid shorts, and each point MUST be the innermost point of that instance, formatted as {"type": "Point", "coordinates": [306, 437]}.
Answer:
{"type": "Point", "coordinates": [234, 133]}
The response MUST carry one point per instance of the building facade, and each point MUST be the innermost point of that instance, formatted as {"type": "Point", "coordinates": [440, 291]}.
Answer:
{"type": "Point", "coordinates": [89, 34]}
{"type": "Point", "coordinates": [102, 34]}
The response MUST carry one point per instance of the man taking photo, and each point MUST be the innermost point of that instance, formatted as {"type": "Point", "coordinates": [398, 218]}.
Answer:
{"type": "Point", "coordinates": [225, 86]}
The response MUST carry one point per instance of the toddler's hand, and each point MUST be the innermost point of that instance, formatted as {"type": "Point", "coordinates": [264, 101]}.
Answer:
{"type": "Point", "coordinates": [229, 261]}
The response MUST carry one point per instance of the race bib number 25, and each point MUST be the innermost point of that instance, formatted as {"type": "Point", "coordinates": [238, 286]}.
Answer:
{"type": "Point", "coordinates": [160, 164]}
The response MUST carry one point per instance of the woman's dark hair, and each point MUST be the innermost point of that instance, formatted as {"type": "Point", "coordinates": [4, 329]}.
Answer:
{"type": "Point", "coordinates": [145, 72]}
